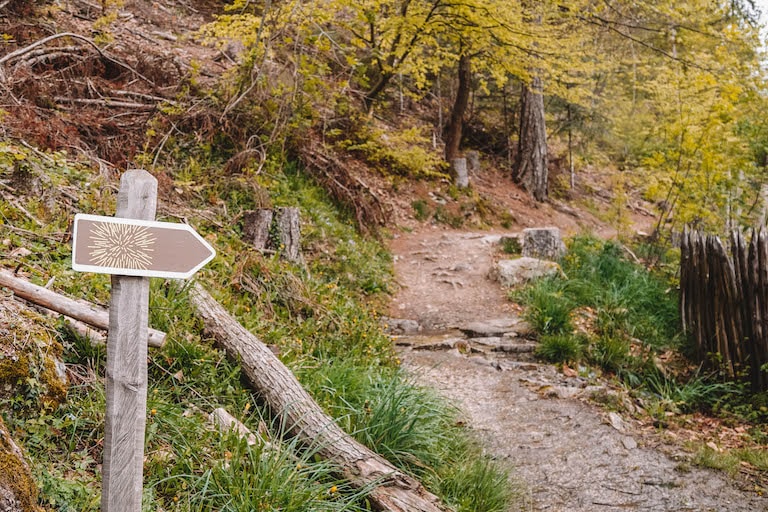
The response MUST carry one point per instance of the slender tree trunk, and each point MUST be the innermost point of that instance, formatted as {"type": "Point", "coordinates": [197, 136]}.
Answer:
{"type": "Point", "coordinates": [531, 163]}
{"type": "Point", "coordinates": [570, 149]}
{"type": "Point", "coordinates": [456, 122]}
{"type": "Point", "coordinates": [377, 88]}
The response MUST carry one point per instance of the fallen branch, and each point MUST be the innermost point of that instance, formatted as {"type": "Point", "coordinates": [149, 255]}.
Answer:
{"type": "Point", "coordinates": [158, 99]}
{"type": "Point", "coordinates": [45, 58]}
{"type": "Point", "coordinates": [94, 336]}
{"type": "Point", "coordinates": [85, 331]}
{"type": "Point", "coordinates": [23, 51]}
{"type": "Point", "coordinates": [225, 422]}
{"type": "Point", "coordinates": [106, 102]}
{"type": "Point", "coordinates": [390, 489]}
{"type": "Point", "coordinates": [84, 311]}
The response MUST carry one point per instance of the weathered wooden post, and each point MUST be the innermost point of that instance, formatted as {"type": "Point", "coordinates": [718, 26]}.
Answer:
{"type": "Point", "coordinates": [126, 375]}
{"type": "Point", "coordinates": [461, 175]}
{"type": "Point", "coordinates": [132, 247]}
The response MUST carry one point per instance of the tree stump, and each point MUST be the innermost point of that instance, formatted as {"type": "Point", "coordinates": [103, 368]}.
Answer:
{"type": "Point", "coordinates": [543, 243]}
{"type": "Point", "coordinates": [256, 227]}
{"type": "Point", "coordinates": [461, 177]}
{"type": "Point", "coordinates": [473, 161]}
{"type": "Point", "coordinates": [289, 233]}
{"type": "Point", "coordinates": [274, 230]}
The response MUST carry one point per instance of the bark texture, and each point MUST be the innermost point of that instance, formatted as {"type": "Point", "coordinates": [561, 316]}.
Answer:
{"type": "Point", "coordinates": [455, 126]}
{"type": "Point", "coordinates": [391, 490]}
{"type": "Point", "coordinates": [531, 163]}
{"type": "Point", "coordinates": [256, 227]}
{"type": "Point", "coordinates": [289, 232]}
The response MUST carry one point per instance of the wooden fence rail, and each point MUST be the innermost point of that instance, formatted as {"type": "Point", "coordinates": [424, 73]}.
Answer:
{"type": "Point", "coordinates": [724, 302]}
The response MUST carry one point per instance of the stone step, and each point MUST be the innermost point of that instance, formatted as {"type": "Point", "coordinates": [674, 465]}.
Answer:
{"type": "Point", "coordinates": [495, 327]}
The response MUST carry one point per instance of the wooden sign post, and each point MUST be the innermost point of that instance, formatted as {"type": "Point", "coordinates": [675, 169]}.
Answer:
{"type": "Point", "coordinates": [126, 382]}
{"type": "Point", "coordinates": [134, 248]}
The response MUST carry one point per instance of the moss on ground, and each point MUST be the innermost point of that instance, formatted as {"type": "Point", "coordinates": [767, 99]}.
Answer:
{"type": "Point", "coordinates": [15, 476]}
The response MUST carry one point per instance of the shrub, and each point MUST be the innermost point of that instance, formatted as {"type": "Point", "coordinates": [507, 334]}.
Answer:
{"type": "Point", "coordinates": [609, 353]}
{"type": "Point", "coordinates": [421, 208]}
{"type": "Point", "coordinates": [698, 392]}
{"type": "Point", "coordinates": [549, 308]}
{"type": "Point", "coordinates": [510, 245]}
{"type": "Point", "coordinates": [560, 348]}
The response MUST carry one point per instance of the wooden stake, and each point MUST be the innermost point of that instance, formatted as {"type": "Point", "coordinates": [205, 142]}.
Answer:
{"type": "Point", "coordinates": [126, 375]}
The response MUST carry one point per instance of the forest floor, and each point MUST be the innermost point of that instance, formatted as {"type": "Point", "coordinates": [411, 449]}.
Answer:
{"type": "Point", "coordinates": [565, 452]}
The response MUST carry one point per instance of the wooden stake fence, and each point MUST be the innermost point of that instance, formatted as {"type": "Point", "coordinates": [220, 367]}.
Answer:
{"type": "Point", "coordinates": [724, 302]}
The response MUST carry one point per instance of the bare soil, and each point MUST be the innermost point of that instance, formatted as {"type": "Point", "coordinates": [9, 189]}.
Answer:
{"type": "Point", "coordinates": [565, 453]}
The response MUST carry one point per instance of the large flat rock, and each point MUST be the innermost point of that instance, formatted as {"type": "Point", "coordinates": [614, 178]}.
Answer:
{"type": "Point", "coordinates": [497, 327]}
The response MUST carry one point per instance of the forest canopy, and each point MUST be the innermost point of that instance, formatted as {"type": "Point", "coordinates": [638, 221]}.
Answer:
{"type": "Point", "coordinates": [671, 93]}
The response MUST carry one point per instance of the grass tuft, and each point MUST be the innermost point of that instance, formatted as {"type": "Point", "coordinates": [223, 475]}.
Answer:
{"type": "Point", "coordinates": [559, 348]}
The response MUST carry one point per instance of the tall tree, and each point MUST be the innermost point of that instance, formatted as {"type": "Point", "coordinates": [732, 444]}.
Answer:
{"type": "Point", "coordinates": [531, 161]}
{"type": "Point", "coordinates": [456, 122]}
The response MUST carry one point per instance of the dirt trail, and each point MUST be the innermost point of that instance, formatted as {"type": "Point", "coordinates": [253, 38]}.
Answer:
{"type": "Point", "coordinates": [466, 340]}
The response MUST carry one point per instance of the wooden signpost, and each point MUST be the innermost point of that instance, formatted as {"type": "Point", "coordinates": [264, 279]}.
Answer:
{"type": "Point", "coordinates": [132, 247]}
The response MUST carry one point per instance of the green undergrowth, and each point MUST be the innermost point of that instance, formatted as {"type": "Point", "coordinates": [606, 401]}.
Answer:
{"type": "Point", "coordinates": [319, 316]}
{"type": "Point", "coordinates": [733, 460]}
{"type": "Point", "coordinates": [613, 315]}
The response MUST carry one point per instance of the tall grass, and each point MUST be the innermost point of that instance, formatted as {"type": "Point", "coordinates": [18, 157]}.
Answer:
{"type": "Point", "coordinates": [633, 317]}
{"type": "Point", "coordinates": [415, 429]}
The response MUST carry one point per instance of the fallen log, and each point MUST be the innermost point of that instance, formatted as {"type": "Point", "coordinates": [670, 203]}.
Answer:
{"type": "Point", "coordinates": [390, 489]}
{"type": "Point", "coordinates": [95, 336]}
{"type": "Point", "coordinates": [77, 309]}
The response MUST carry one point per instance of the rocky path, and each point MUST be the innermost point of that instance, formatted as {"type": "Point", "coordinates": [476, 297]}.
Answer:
{"type": "Point", "coordinates": [459, 334]}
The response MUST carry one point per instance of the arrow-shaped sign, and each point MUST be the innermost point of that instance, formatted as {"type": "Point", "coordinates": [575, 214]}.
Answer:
{"type": "Point", "coordinates": [111, 245]}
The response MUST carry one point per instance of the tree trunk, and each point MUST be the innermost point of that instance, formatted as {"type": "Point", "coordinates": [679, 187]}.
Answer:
{"type": "Point", "coordinates": [290, 233]}
{"type": "Point", "coordinates": [456, 122]}
{"type": "Point", "coordinates": [531, 162]}
{"type": "Point", "coordinates": [374, 91]}
{"type": "Point", "coordinates": [256, 227]}
{"type": "Point", "coordinates": [391, 490]}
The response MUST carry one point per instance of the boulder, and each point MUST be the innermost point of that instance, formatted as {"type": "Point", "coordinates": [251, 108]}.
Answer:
{"type": "Point", "coordinates": [521, 270]}
{"type": "Point", "coordinates": [543, 243]}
